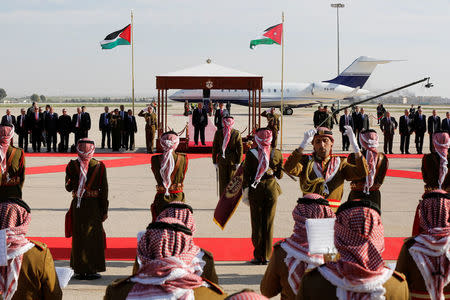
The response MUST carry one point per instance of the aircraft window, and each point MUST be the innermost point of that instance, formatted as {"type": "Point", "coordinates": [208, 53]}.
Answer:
{"type": "Point", "coordinates": [274, 90]}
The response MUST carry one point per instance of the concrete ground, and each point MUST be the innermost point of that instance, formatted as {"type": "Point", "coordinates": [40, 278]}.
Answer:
{"type": "Point", "coordinates": [132, 191]}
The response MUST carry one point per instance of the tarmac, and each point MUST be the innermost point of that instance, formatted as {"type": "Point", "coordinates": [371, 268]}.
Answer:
{"type": "Point", "coordinates": [132, 188]}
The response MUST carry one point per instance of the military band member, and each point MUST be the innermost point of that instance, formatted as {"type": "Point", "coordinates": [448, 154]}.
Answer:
{"type": "Point", "coordinates": [227, 151]}
{"type": "Point", "coordinates": [12, 162]}
{"type": "Point", "coordinates": [151, 125]}
{"type": "Point", "coordinates": [261, 166]}
{"type": "Point", "coordinates": [377, 162]}
{"type": "Point", "coordinates": [323, 173]}
{"type": "Point", "coordinates": [86, 180]}
{"type": "Point", "coordinates": [273, 123]}
{"type": "Point", "coordinates": [169, 169]}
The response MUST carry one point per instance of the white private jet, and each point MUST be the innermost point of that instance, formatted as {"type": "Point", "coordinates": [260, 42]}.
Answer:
{"type": "Point", "coordinates": [347, 84]}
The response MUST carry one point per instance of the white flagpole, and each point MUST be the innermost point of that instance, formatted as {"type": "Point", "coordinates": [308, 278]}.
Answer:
{"type": "Point", "coordinates": [282, 75]}
{"type": "Point", "coordinates": [132, 61]}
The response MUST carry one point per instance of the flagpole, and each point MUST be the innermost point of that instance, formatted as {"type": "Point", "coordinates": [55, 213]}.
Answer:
{"type": "Point", "coordinates": [132, 61]}
{"type": "Point", "coordinates": [282, 75]}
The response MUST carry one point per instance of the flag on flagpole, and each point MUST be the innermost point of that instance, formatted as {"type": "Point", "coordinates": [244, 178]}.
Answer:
{"type": "Point", "coordinates": [119, 37]}
{"type": "Point", "coordinates": [271, 35]}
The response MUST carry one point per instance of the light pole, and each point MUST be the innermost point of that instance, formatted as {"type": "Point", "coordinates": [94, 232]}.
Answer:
{"type": "Point", "coordinates": [337, 6]}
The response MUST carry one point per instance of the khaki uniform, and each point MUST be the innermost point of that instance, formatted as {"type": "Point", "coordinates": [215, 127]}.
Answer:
{"type": "Point", "coordinates": [301, 165]}
{"type": "Point", "coordinates": [430, 172]}
{"type": "Point", "coordinates": [88, 240]}
{"type": "Point", "coordinates": [119, 289]}
{"type": "Point", "coordinates": [273, 123]}
{"type": "Point", "coordinates": [209, 270]}
{"type": "Point", "coordinates": [233, 156]}
{"type": "Point", "coordinates": [37, 277]}
{"type": "Point", "coordinates": [314, 284]}
{"type": "Point", "coordinates": [407, 266]}
{"type": "Point", "coordinates": [176, 188]}
{"type": "Point", "coordinates": [11, 182]}
{"type": "Point", "coordinates": [275, 280]}
{"type": "Point", "coordinates": [357, 186]}
{"type": "Point", "coordinates": [151, 125]}
{"type": "Point", "coordinates": [263, 201]}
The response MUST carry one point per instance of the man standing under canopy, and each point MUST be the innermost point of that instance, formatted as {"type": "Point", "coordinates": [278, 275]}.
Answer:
{"type": "Point", "coordinates": [321, 172]}
{"type": "Point", "coordinates": [86, 180]}
{"type": "Point", "coordinates": [227, 152]}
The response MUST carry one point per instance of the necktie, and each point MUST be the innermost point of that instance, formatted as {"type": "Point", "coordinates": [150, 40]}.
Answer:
{"type": "Point", "coordinates": [36, 116]}
{"type": "Point", "coordinates": [106, 119]}
{"type": "Point", "coordinates": [9, 119]}
{"type": "Point", "coordinates": [78, 121]}
{"type": "Point", "coordinates": [21, 121]}
{"type": "Point", "coordinates": [346, 120]}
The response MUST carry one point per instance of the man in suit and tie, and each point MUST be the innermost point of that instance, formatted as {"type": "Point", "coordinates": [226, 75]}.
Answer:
{"type": "Point", "coordinates": [130, 129]}
{"type": "Point", "coordinates": [420, 126]}
{"type": "Point", "coordinates": [123, 133]}
{"type": "Point", "coordinates": [345, 120]}
{"type": "Point", "coordinates": [219, 115]}
{"type": "Point", "coordinates": [36, 126]}
{"type": "Point", "coordinates": [199, 121]}
{"type": "Point", "coordinates": [364, 121]}
{"type": "Point", "coordinates": [405, 130]}
{"type": "Point", "coordinates": [446, 123]}
{"type": "Point", "coordinates": [85, 121]}
{"type": "Point", "coordinates": [388, 125]}
{"type": "Point", "coordinates": [77, 126]}
{"type": "Point", "coordinates": [21, 129]}
{"type": "Point", "coordinates": [64, 129]}
{"type": "Point", "coordinates": [434, 125]}
{"type": "Point", "coordinates": [51, 126]}
{"type": "Point", "coordinates": [105, 127]}
{"type": "Point", "coordinates": [8, 119]}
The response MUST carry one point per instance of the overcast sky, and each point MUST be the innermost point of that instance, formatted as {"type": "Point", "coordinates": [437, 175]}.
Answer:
{"type": "Point", "coordinates": [52, 47]}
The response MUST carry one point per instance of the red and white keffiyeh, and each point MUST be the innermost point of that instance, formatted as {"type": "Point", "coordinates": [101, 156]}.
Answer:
{"type": "Point", "coordinates": [247, 296]}
{"type": "Point", "coordinates": [263, 139]}
{"type": "Point", "coordinates": [441, 142]}
{"type": "Point", "coordinates": [167, 271]}
{"type": "Point", "coordinates": [85, 150]}
{"type": "Point", "coordinates": [169, 142]}
{"type": "Point", "coordinates": [331, 170]}
{"type": "Point", "coordinates": [298, 259]}
{"type": "Point", "coordinates": [359, 239]}
{"type": "Point", "coordinates": [228, 124]}
{"type": "Point", "coordinates": [369, 142]}
{"type": "Point", "coordinates": [14, 220]}
{"type": "Point", "coordinates": [431, 251]}
{"type": "Point", "coordinates": [183, 214]}
{"type": "Point", "coordinates": [6, 134]}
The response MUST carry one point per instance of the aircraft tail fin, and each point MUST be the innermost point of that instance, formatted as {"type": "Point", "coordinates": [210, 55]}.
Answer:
{"type": "Point", "coordinates": [357, 74]}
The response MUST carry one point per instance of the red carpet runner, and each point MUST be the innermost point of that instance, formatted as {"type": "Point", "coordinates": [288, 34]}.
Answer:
{"type": "Point", "coordinates": [237, 249]}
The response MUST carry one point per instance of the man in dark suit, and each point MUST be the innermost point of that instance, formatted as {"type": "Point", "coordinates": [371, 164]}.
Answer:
{"type": "Point", "coordinates": [123, 133]}
{"type": "Point", "coordinates": [344, 120]}
{"type": "Point", "coordinates": [64, 129]}
{"type": "Point", "coordinates": [405, 130]}
{"type": "Point", "coordinates": [420, 126]}
{"type": "Point", "coordinates": [199, 121]}
{"type": "Point", "coordinates": [219, 115]}
{"type": "Point", "coordinates": [77, 125]}
{"type": "Point", "coordinates": [51, 126]}
{"type": "Point", "coordinates": [365, 125]}
{"type": "Point", "coordinates": [8, 119]}
{"type": "Point", "coordinates": [388, 125]}
{"type": "Point", "coordinates": [356, 116]}
{"type": "Point", "coordinates": [105, 127]}
{"type": "Point", "coordinates": [412, 111]}
{"type": "Point", "coordinates": [434, 125]}
{"type": "Point", "coordinates": [22, 130]}
{"type": "Point", "coordinates": [36, 126]}
{"type": "Point", "coordinates": [130, 129]}
{"type": "Point", "coordinates": [446, 123]}
{"type": "Point", "coordinates": [85, 121]}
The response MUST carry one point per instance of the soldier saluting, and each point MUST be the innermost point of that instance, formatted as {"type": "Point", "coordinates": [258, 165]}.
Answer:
{"type": "Point", "coordinates": [151, 125]}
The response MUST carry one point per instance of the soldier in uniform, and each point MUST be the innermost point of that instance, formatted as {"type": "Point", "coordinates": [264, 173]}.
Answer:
{"type": "Point", "coordinates": [227, 152]}
{"type": "Point", "coordinates": [29, 272]}
{"type": "Point", "coordinates": [360, 272]}
{"type": "Point", "coordinates": [424, 259]}
{"type": "Point", "coordinates": [12, 161]}
{"type": "Point", "coordinates": [291, 258]}
{"type": "Point", "coordinates": [246, 294]}
{"type": "Point", "coordinates": [261, 166]}
{"type": "Point", "coordinates": [86, 180]}
{"type": "Point", "coordinates": [169, 169]}
{"type": "Point", "coordinates": [273, 123]}
{"type": "Point", "coordinates": [151, 125]}
{"type": "Point", "coordinates": [377, 162]}
{"type": "Point", "coordinates": [323, 173]}
{"type": "Point", "coordinates": [167, 247]}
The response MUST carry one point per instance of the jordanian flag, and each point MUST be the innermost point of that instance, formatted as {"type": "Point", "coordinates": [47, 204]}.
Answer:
{"type": "Point", "coordinates": [272, 35]}
{"type": "Point", "coordinates": [119, 37]}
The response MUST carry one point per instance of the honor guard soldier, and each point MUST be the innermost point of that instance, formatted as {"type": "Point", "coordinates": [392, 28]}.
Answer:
{"type": "Point", "coordinates": [323, 173]}
{"type": "Point", "coordinates": [227, 152]}
{"type": "Point", "coordinates": [273, 123]}
{"type": "Point", "coordinates": [151, 125]}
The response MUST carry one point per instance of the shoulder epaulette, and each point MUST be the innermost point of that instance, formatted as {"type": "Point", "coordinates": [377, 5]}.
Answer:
{"type": "Point", "coordinates": [215, 287]}
{"type": "Point", "coordinates": [40, 245]}
{"type": "Point", "coordinates": [400, 276]}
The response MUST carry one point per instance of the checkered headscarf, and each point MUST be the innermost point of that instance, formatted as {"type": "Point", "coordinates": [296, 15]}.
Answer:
{"type": "Point", "coordinates": [228, 123]}
{"type": "Point", "coordinates": [441, 142]}
{"type": "Point", "coordinates": [369, 142]}
{"type": "Point", "coordinates": [85, 151]}
{"type": "Point", "coordinates": [181, 211]}
{"type": "Point", "coordinates": [6, 134]}
{"type": "Point", "coordinates": [263, 139]}
{"type": "Point", "coordinates": [431, 251]}
{"type": "Point", "coordinates": [298, 259]}
{"type": "Point", "coordinates": [169, 143]}
{"type": "Point", "coordinates": [359, 239]}
{"type": "Point", "coordinates": [247, 295]}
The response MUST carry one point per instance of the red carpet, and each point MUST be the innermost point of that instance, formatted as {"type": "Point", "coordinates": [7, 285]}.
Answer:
{"type": "Point", "coordinates": [237, 249]}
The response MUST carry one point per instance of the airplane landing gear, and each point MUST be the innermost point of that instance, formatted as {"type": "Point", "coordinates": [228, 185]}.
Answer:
{"type": "Point", "coordinates": [287, 111]}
